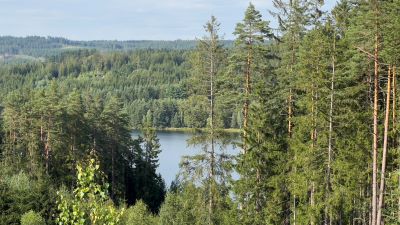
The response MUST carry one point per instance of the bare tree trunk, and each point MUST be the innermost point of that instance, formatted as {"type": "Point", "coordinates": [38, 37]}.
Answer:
{"type": "Point", "coordinates": [211, 187]}
{"type": "Point", "coordinates": [385, 144]}
{"type": "Point", "coordinates": [328, 176]}
{"type": "Point", "coordinates": [394, 100]}
{"type": "Point", "coordinates": [294, 209]}
{"type": "Point", "coordinates": [47, 152]}
{"type": "Point", "coordinates": [312, 201]}
{"type": "Point", "coordinates": [290, 109]}
{"type": "Point", "coordinates": [247, 96]}
{"type": "Point", "coordinates": [375, 134]}
{"type": "Point", "coordinates": [212, 153]}
{"type": "Point", "coordinates": [313, 144]}
{"type": "Point", "coordinates": [290, 125]}
{"type": "Point", "coordinates": [41, 129]}
{"type": "Point", "coordinates": [290, 113]}
{"type": "Point", "coordinates": [394, 127]}
{"type": "Point", "coordinates": [112, 172]}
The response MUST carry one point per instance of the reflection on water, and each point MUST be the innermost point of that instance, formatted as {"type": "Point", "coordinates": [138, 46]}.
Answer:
{"type": "Point", "coordinates": [174, 146]}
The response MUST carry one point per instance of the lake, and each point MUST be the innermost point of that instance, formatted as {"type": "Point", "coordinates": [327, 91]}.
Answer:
{"type": "Point", "coordinates": [173, 147]}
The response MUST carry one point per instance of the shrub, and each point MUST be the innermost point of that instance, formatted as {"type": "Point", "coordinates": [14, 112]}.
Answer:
{"type": "Point", "coordinates": [138, 214]}
{"type": "Point", "coordinates": [32, 218]}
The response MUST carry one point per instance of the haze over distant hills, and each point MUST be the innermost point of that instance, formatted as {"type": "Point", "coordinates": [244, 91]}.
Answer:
{"type": "Point", "coordinates": [36, 46]}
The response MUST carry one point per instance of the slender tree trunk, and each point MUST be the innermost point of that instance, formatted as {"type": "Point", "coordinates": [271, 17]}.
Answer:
{"type": "Point", "coordinates": [394, 122]}
{"type": "Point", "coordinates": [312, 201]}
{"type": "Point", "coordinates": [385, 144]}
{"type": "Point", "coordinates": [211, 186]}
{"type": "Point", "coordinates": [394, 101]}
{"type": "Point", "coordinates": [47, 152]}
{"type": "Point", "coordinates": [212, 153]}
{"type": "Point", "coordinates": [368, 190]}
{"type": "Point", "coordinates": [247, 96]}
{"type": "Point", "coordinates": [113, 171]}
{"type": "Point", "coordinates": [290, 136]}
{"type": "Point", "coordinates": [290, 113]}
{"type": "Point", "coordinates": [294, 209]}
{"type": "Point", "coordinates": [290, 109]}
{"type": "Point", "coordinates": [41, 129]}
{"type": "Point", "coordinates": [328, 176]}
{"type": "Point", "coordinates": [375, 134]}
{"type": "Point", "coordinates": [394, 127]}
{"type": "Point", "coordinates": [313, 145]}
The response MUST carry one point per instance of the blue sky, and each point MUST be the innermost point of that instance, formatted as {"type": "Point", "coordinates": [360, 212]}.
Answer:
{"type": "Point", "coordinates": [123, 19]}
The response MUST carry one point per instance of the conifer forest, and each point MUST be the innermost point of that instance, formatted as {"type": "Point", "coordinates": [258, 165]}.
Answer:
{"type": "Point", "coordinates": [314, 96]}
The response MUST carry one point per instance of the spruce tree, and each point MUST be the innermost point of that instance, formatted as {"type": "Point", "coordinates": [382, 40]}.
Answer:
{"type": "Point", "coordinates": [292, 20]}
{"type": "Point", "coordinates": [259, 188]}
{"type": "Point", "coordinates": [115, 144]}
{"type": "Point", "coordinates": [208, 167]}
{"type": "Point", "coordinates": [148, 184]}
{"type": "Point", "coordinates": [248, 54]}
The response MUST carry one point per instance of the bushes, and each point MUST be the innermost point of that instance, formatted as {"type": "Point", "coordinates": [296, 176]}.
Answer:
{"type": "Point", "coordinates": [89, 203]}
{"type": "Point", "coordinates": [20, 193]}
{"type": "Point", "coordinates": [138, 214]}
{"type": "Point", "coordinates": [32, 218]}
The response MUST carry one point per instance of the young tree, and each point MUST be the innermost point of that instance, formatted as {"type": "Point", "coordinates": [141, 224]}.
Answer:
{"type": "Point", "coordinates": [90, 203]}
{"type": "Point", "coordinates": [208, 60]}
{"type": "Point", "coordinates": [32, 218]}
{"type": "Point", "coordinates": [138, 214]}
{"type": "Point", "coordinates": [148, 185]}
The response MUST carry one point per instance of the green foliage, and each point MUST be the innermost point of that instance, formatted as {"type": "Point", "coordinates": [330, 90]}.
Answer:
{"type": "Point", "coordinates": [155, 81]}
{"type": "Point", "coordinates": [89, 203]}
{"type": "Point", "coordinates": [20, 193]}
{"type": "Point", "coordinates": [184, 207]}
{"type": "Point", "coordinates": [148, 186]}
{"type": "Point", "coordinates": [210, 167]}
{"type": "Point", "coordinates": [307, 96]}
{"type": "Point", "coordinates": [51, 46]}
{"type": "Point", "coordinates": [196, 113]}
{"type": "Point", "coordinates": [51, 131]}
{"type": "Point", "coordinates": [138, 214]}
{"type": "Point", "coordinates": [249, 52]}
{"type": "Point", "coordinates": [32, 218]}
{"type": "Point", "coordinates": [252, 58]}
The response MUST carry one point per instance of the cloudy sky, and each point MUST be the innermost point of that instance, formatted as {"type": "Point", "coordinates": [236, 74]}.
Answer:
{"type": "Point", "coordinates": [123, 19]}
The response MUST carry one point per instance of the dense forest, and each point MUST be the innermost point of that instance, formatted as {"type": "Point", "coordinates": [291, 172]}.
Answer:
{"type": "Point", "coordinates": [315, 100]}
{"type": "Point", "coordinates": [152, 84]}
{"type": "Point", "coordinates": [13, 48]}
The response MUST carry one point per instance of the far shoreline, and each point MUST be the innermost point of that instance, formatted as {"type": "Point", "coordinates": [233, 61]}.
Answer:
{"type": "Point", "coordinates": [192, 130]}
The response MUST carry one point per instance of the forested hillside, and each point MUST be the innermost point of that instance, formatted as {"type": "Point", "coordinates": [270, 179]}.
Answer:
{"type": "Point", "coordinates": [316, 101]}
{"type": "Point", "coordinates": [153, 85]}
{"type": "Point", "coordinates": [36, 46]}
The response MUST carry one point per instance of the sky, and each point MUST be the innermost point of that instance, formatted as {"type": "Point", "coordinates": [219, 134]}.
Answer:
{"type": "Point", "coordinates": [124, 19]}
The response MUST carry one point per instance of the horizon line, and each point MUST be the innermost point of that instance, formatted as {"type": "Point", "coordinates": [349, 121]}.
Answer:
{"type": "Point", "coordinates": [88, 40]}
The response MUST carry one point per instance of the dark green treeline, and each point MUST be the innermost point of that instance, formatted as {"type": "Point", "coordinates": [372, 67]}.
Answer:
{"type": "Point", "coordinates": [152, 84]}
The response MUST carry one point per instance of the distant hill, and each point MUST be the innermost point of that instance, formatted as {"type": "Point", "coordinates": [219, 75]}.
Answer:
{"type": "Point", "coordinates": [36, 46]}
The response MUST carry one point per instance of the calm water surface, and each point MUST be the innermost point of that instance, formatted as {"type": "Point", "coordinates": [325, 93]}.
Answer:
{"type": "Point", "coordinates": [173, 147]}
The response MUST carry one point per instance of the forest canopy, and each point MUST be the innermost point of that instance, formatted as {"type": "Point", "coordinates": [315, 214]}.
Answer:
{"type": "Point", "coordinates": [315, 100]}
